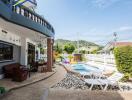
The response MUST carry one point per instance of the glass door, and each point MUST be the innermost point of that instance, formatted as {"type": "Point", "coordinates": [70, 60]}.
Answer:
{"type": "Point", "coordinates": [31, 53]}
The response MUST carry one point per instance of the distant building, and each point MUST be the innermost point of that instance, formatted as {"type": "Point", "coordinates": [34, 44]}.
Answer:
{"type": "Point", "coordinates": [108, 49]}
{"type": "Point", "coordinates": [89, 48]}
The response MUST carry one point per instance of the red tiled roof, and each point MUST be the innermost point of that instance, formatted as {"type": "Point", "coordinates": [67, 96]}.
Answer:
{"type": "Point", "coordinates": [123, 43]}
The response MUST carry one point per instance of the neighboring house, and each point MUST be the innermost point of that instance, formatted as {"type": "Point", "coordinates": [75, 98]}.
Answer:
{"type": "Point", "coordinates": [108, 49]}
{"type": "Point", "coordinates": [21, 30]}
{"type": "Point", "coordinates": [89, 48]}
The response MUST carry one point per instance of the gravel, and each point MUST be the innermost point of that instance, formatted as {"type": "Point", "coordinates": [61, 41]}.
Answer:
{"type": "Point", "coordinates": [73, 82]}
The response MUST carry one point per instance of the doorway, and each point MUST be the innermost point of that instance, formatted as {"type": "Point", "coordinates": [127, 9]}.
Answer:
{"type": "Point", "coordinates": [31, 54]}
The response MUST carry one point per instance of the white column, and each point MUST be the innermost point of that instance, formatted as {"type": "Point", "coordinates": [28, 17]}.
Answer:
{"type": "Point", "coordinates": [23, 58]}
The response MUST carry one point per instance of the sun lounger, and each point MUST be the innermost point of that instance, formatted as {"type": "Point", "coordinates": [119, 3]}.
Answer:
{"type": "Point", "coordinates": [113, 80]}
{"type": "Point", "coordinates": [93, 75]}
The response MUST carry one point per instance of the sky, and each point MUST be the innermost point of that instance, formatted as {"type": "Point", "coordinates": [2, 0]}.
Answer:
{"type": "Point", "coordinates": [91, 20]}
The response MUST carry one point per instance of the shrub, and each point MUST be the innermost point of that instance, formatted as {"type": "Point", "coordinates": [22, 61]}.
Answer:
{"type": "Point", "coordinates": [126, 77]}
{"type": "Point", "coordinates": [83, 58]}
{"type": "Point", "coordinates": [123, 57]}
{"type": "Point", "coordinates": [2, 90]}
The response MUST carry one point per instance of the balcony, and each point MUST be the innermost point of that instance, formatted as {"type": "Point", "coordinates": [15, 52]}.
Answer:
{"type": "Point", "coordinates": [25, 17]}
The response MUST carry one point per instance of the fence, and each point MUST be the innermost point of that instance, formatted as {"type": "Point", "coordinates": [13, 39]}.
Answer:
{"type": "Point", "coordinates": [103, 58]}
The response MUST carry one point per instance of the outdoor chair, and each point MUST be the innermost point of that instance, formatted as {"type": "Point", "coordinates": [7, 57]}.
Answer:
{"type": "Point", "coordinates": [8, 69]}
{"type": "Point", "coordinates": [19, 74]}
{"type": "Point", "coordinates": [113, 80]}
{"type": "Point", "coordinates": [16, 71]}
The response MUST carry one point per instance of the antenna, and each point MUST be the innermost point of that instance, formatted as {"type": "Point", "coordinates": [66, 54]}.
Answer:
{"type": "Point", "coordinates": [115, 38]}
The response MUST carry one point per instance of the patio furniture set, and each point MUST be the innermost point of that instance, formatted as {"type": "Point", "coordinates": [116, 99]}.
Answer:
{"type": "Point", "coordinates": [19, 73]}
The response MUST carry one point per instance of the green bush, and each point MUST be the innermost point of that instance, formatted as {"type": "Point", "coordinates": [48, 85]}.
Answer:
{"type": "Point", "coordinates": [123, 57]}
{"type": "Point", "coordinates": [2, 90]}
{"type": "Point", "coordinates": [126, 77]}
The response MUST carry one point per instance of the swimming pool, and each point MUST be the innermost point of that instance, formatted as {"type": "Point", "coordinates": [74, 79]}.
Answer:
{"type": "Point", "coordinates": [82, 68]}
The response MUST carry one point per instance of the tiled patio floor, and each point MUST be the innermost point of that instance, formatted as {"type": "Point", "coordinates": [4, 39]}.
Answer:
{"type": "Point", "coordinates": [35, 91]}
{"type": "Point", "coordinates": [35, 77]}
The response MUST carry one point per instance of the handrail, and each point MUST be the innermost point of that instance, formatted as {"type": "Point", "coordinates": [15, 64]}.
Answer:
{"type": "Point", "coordinates": [32, 15]}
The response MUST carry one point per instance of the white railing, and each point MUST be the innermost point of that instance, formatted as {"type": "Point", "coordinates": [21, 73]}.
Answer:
{"type": "Point", "coordinates": [103, 58]}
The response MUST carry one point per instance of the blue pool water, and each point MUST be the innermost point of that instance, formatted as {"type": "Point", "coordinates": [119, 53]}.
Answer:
{"type": "Point", "coordinates": [85, 68]}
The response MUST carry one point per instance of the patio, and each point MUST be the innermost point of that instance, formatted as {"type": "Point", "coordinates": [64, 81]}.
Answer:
{"type": "Point", "coordinates": [36, 90]}
{"type": "Point", "coordinates": [61, 94]}
{"type": "Point", "coordinates": [34, 77]}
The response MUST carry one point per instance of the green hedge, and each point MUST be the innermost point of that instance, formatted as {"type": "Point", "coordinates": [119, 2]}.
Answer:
{"type": "Point", "coordinates": [123, 57]}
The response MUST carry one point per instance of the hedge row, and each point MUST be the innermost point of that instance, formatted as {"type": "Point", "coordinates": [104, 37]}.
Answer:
{"type": "Point", "coordinates": [123, 57]}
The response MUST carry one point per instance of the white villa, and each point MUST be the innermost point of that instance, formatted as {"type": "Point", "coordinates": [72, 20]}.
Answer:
{"type": "Point", "coordinates": [21, 30]}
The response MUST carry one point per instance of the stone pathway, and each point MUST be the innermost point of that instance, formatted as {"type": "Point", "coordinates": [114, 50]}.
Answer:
{"type": "Point", "coordinates": [63, 94]}
{"type": "Point", "coordinates": [35, 91]}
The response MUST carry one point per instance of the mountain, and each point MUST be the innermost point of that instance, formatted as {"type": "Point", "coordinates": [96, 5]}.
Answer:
{"type": "Point", "coordinates": [82, 43]}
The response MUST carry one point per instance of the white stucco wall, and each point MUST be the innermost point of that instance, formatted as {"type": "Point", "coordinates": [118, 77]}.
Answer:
{"type": "Point", "coordinates": [17, 40]}
{"type": "Point", "coordinates": [9, 37]}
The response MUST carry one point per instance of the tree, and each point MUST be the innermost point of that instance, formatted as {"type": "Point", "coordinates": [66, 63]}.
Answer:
{"type": "Point", "coordinates": [58, 48]}
{"type": "Point", "coordinates": [69, 48]}
{"type": "Point", "coordinates": [82, 51]}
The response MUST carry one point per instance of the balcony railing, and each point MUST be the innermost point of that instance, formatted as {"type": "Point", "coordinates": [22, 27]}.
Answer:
{"type": "Point", "coordinates": [32, 16]}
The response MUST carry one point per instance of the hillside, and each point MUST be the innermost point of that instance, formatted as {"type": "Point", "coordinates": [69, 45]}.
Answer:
{"type": "Point", "coordinates": [82, 43]}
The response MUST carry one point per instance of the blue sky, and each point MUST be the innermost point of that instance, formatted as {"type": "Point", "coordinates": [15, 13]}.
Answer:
{"type": "Point", "coordinates": [91, 20]}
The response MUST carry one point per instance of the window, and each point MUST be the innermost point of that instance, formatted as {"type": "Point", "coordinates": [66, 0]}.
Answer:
{"type": "Point", "coordinates": [6, 52]}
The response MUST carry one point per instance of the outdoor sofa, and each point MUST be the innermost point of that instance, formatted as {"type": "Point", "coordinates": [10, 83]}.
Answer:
{"type": "Point", "coordinates": [15, 71]}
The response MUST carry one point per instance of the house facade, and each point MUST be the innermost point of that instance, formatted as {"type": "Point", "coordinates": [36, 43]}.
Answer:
{"type": "Point", "coordinates": [21, 31]}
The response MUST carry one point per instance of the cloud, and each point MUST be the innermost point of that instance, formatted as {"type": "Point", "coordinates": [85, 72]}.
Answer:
{"type": "Point", "coordinates": [125, 28]}
{"type": "Point", "coordinates": [104, 3]}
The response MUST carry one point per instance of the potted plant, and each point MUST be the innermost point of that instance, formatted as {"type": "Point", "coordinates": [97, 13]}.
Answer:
{"type": "Point", "coordinates": [2, 91]}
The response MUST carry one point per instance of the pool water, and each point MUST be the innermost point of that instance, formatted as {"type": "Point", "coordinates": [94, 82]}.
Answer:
{"type": "Point", "coordinates": [85, 68]}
